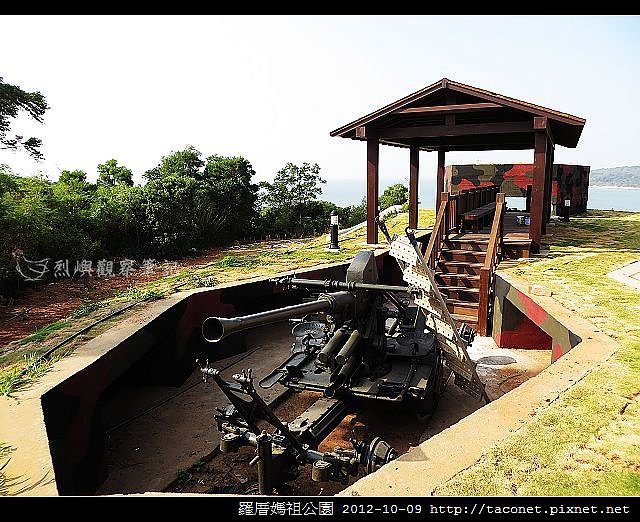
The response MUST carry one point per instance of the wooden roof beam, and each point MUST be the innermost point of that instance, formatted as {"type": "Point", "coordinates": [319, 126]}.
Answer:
{"type": "Point", "coordinates": [451, 109]}
{"type": "Point", "coordinates": [434, 131]}
{"type": "Point", "coordinates": [479, 147]}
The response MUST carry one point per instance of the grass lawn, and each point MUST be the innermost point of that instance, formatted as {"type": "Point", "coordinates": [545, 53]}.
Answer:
{"type": "Point", "coordinates": [587, 442]}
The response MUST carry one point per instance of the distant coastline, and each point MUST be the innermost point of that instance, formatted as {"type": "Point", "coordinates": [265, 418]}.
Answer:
{"type": "Point", "coordinates": [616, 177]}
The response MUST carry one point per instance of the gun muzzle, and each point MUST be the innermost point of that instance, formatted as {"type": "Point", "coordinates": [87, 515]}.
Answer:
{"type": "Point", "coordinates": [215, 329]}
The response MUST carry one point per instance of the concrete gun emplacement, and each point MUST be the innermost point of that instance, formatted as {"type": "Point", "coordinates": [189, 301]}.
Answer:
{"type": "Point", "coordinates": [359, 340]}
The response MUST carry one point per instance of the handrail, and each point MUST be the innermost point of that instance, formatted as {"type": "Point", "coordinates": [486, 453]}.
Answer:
{"type": "Point", "coordinates": [449, 216]}
{"type": "Point", "coordinates": [490, 262]}
{"type": "Point", "coordinates": [438, 233]}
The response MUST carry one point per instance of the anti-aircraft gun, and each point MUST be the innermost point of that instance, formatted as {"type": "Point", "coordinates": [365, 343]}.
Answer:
{"type": "Point", "coordinates": [359, 340]}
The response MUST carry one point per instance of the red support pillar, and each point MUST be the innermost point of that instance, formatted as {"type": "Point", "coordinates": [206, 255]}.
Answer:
{"type": "Point", "coordinates": [549, 186]}
{"type": "Point", "coordinates": [414, 155]}
{"type": "Point", "coordinates": [372, 190]}
{"type": "Point", "coordinates": [439, 178]}
{"type": "Point", "coordinates": [539, 188]}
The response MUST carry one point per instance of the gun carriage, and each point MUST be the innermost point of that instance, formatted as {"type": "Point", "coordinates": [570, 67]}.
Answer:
{"type": "Point", "coordinates": [358, 340]}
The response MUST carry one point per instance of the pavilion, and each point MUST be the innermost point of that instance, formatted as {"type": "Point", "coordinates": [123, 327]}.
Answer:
{"type": "Point", "coordinates": [451, 116]}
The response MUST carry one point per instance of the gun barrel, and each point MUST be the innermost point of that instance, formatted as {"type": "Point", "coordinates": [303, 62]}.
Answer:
{"type": "Point", "coordinates": [341, 285]}
{"type": "Point", "coordinates": [215, 329]}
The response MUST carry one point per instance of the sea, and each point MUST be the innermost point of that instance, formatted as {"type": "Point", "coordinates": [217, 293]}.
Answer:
{"type": "Point", "coordinates": [348, 192]}
{"type": "Point", "coordinates": [614, 198]}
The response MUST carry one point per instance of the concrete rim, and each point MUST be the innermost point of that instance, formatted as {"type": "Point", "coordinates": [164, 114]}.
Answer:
{"type": "Point", "coordinates": [423, 468]}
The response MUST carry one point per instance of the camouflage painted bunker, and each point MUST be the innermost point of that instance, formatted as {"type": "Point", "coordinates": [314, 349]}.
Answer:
{"type": "Point", "coordinates": [569, 182]}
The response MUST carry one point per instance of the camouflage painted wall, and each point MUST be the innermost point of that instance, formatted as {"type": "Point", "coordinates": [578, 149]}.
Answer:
{"type": "Point", "coordinates": [514, 178]}
{"type": "Point", "coordinates": [520, 322]}
{"type": "Point", "coordinates": [571, 182]}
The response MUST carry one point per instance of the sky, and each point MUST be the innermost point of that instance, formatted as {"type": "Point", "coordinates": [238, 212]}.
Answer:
{"type": "Point", "coordinates": [271, 88]}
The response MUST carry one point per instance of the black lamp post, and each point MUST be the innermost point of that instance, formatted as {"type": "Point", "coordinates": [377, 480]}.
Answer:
{"type": "Point", "coordinates": [334, 231]}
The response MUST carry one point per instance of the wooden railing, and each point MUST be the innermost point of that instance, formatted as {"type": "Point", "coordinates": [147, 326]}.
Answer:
{"type": "Point", "coordinates": [494, 250]}
{"type": "Point", "coordinates": [449, 216]}
{"type": "Point", "coordinates": [439, 232]}
{"type": "Point", "coordinates": [471, 199]}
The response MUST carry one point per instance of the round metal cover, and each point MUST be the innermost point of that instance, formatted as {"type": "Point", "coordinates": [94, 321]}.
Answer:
{"type": "Point", "coordinates": [423, 340]}
{"type": "Point", "coordinates": [315, 329]}
{"type": "Point", "coordinates": [496, 360]}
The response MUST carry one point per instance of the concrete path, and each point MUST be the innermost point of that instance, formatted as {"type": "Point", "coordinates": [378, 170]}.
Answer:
{"type": "Point", "coordinates": [628, 275]}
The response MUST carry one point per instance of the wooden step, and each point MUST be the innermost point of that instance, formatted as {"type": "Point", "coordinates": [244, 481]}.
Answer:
{"type": "Point", "coordinates": [462, 307]}
{"type": "Point", "coordinates": [516, 249]}
{"type": "Point", "coordinates": [471, 256]}
{"type": "Point", "coordinates": [467, 280]}
{"type": "Point", "coordinates": [517, 241]}
{"type": "Point", "coordinates": [459, 267]}
{"type": "Point", "coordinates": [460, 293]}
{"type": "Point", "coordinates": [471, 320]}
{"type": "Point", "coordinates": [479, 245]}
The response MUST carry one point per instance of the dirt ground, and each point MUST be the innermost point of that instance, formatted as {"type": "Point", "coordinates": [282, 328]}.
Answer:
{"type": "Point", "coordinates": [501, 370]}
{"type": "Point", "coordinates": [232, 473]}
{"type": "Point", "coordinates": [39, 306]}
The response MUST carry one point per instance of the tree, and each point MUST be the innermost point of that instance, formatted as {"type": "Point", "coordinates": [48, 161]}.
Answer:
{"type": "Point", "coordinates": [72, 176]}
{"type": "Point", "coordinates": [396, 194]}
{"type": "Point", "coordinates": [171, 206]}
{"type": "Point", "coordinates": [231, 196]}
{"type": "Point", "coordinates": [13, 100]}
{"type": "Point", "coordinates": [72, 195]}
{"type": "Point", "coordinates": [7, 180]}
{"type": "Point", "coordinates": [192, 203]}
{"type": "Point", "coordinates": [110, 173]}
{"type": "Point", "coordinates": [185, 162]}
{"type": "Point", "coordinates": [118, 219]}
{"type": "Point", "coordinates": [293, 186]}
{"type": "Point", "coordinates": [353, 214]}
{"type": "Point", "coordinates": [289, 204]}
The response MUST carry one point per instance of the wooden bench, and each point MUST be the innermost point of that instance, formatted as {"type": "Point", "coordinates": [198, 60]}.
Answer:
{"type": "Point", "coordinates": [478, 216]}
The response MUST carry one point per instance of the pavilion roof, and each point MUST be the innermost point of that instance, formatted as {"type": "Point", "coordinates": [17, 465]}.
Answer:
{"type": "Point", "coordinates": [448, 115]}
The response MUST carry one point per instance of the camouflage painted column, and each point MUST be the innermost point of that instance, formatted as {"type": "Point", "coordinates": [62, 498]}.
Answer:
{"type": "Point", "coordinates": [520, 322]}
{"type": "Point", "coordinates": [372, 189]}
{"type": "Point", "coordinates": [414, 156]}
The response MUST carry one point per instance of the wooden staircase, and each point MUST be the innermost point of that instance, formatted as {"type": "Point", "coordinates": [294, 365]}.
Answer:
{"type": "Point", "coordinates": [457, 275]}
{"type": "Point", "coordinates": [464, 264]}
